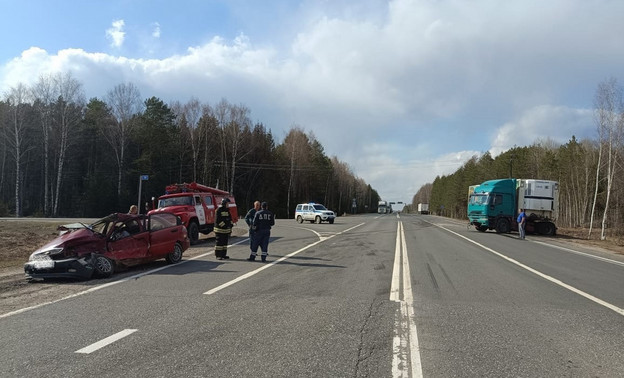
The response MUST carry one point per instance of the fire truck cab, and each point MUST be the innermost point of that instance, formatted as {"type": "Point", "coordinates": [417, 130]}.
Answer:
{"type": "Point", "coordinates": [195, 204]}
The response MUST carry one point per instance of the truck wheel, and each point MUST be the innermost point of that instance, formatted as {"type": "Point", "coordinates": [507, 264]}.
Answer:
{"type": "Point", "coordinates": [175, 256]}
{"type": "Point", "coordinates": [546, 228]}
{"type": "Point", "coordinates": [299, 219]}
{"type": "Point", "coordinates": [317, 220]}
{"type": "Point", "coordinates": [502, 226]}
{"type": "Point", "coordinates": [193, 232]}
{"type": "Point", "coordinates": [481, 228]}
{"type": "Point", "coordinates": [103, 267]}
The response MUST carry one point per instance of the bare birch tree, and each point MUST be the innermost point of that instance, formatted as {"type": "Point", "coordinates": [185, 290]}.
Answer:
{"type": "Point", "coordinates": [209, 129]}
{"type": "Point", "coordinates": [607, 115]}
{"type": "Point", "coordinates": [124, 101]}
{"type": "Point", "coordinates": [192, 111]}
{"type": "Point", "coordinates": [221, 113]}
{"type": "Point", "coordinates": [239, 123]}
{"type": "Point", "coordinates": [4, 145]}
{"type": "Point", "coordinates": [296, 147]}
{"type": "Point", "coordinates": [17, 98]}
{"type": "Point", "coordinates": [68, 115]}
{"type": "Point", "coordinates": [44, 93]}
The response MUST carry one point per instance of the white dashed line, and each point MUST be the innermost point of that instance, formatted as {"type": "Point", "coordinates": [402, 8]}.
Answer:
{"type": "Point", "coordinates": [104, 342]}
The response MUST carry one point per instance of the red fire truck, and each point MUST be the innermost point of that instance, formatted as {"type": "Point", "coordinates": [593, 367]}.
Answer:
{"type": "Point", "coordinates": [195, 204]}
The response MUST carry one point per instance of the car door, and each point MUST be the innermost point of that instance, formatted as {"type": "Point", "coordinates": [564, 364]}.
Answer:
{"type": "Point", "coordinates": [305, 212]}
{"type": "Point", "coordinates": [164, 232]}
{"type": "Point", "coordinates": [199, 209]}
{"type": "Point", "coordinates": [210, 208]}
{"type": "Point", "coordinates": [128, 241]}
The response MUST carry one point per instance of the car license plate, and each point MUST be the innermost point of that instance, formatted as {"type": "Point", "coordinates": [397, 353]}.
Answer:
{"type": "Point", "coordinates": [42, 262]}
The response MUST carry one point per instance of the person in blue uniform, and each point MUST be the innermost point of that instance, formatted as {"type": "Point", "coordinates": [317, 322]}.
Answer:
{"type": "Point", "coordinates": [262, 223]}
{"type": "Point", "coordinates": [249, 220]}
{"type": "Point", "coordinates": [222, 229]}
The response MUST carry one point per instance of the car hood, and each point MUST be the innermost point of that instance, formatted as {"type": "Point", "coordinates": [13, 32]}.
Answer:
{"type": "Point", "coordinates": [73, 237]}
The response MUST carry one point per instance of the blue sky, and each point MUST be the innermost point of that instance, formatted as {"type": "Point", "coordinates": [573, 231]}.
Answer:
{"type": "Point", "coordinates": [400, 90]}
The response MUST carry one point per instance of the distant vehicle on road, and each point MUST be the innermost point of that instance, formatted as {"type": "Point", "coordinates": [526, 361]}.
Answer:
{"type": "Point", "coordinates": [384, 207]}
{"type": "Point", "coordinates": [423, 208]}
{"type": "Point", "coordinates": [314, 213]}
{"type": "Point", "coordinates": [495, 205]}
{"type": "Point", "coordinates": [83, 251]}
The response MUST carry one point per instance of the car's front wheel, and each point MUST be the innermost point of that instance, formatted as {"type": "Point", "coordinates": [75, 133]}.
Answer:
{"type": "Point", "coordinates": [175, 256]}
{"type": "Point", "coordinates": [103, 267]}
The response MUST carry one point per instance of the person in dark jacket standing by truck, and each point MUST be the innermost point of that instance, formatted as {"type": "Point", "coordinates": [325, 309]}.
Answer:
{"type": "Point", "coordinates": [262, 223]}
{"type": "Point", "coordinates": [222, 230]}
{"type": "Point", "coordinates": [521, 223]}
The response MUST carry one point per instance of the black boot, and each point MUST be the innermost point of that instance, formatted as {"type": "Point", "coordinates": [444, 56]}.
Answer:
{"type": "Point", "coordinates": [263, 258]}
{"type": "Point", "coordinates": [251, 258]}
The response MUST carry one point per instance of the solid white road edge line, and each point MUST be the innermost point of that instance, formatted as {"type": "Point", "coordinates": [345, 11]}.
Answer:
{"type": "Point", "coordinates": [580, 253]}
{"type": "Point", "coordinates": [95, 288]}
{"type": "Point", "coordinates": [405, 339]}
{"type": "Point", "coordinates": [544, 276]}
{"type": "Point", "coordinates": [395, 287]}
{"type": "Point", "coordinates": [254, 272]}
{"type": "Point", "coordinates": [104, 342]}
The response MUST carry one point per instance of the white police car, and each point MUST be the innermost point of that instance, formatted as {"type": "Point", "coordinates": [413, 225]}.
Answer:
{"type": "Point", "coordinates": [314, 213]}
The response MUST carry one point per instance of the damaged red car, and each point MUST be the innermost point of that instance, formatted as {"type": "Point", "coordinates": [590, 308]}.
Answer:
{"type": "Point", "coordinates": [118, 240]}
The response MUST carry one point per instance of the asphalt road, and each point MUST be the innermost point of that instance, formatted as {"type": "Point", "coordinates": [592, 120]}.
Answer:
{"type": "Point", "coordinates": [369, 296]}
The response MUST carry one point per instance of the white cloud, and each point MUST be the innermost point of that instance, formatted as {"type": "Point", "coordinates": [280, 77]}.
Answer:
{"type": "Point", "coordinates": [397, 171]}
{"type": "Point", "coordinates": [116, 34]}
{"type": "Point", "coordinates": [392, 93]}
{"type": "Point", "coordinates": [156, 30]}
{"type": "Point", "coordinates": [558, 123]}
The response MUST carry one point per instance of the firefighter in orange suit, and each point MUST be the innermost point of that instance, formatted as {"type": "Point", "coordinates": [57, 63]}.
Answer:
{"type": "Point", "coordinates": [222, 229]}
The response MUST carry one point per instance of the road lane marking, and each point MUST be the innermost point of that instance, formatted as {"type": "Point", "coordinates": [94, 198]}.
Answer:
{"type": "Point", "coordinates": [104, 342]}
{"type": "Point", "coordinates": [396, 270]}
{"type": "Point", "coordinates": [604, 259]}
{"type": "Point", "coordinates": [272, 263]}
{"type": "Point", "coordinates": [406, 360]}
{"type": "Point", "coordinates": [322, 236]}
{"type": "Point", "coordinates": [544, 276]}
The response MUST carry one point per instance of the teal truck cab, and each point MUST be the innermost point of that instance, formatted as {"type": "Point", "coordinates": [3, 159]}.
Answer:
{"type": "Point", "coordinates": [495, 204]}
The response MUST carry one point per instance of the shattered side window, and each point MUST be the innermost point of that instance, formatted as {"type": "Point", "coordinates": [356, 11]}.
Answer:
{"type": "Point", "coordinates": [101, 227]}
{"type": "Point", "coordinates": [162, 221]}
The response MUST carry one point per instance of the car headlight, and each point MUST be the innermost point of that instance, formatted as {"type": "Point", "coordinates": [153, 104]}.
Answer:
{"type": "Point", "coordinates": [48, 252]}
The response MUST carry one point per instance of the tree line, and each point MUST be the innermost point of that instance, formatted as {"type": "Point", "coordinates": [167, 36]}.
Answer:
{"type": "Point", "coordinates": [61, 155]}
{"type": "Point", "coordinates": [589, 172]}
